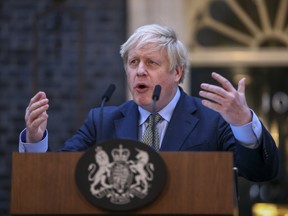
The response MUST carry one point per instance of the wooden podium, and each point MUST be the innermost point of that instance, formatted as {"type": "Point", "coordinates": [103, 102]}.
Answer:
{"type": "Point", "coordinates": [198, 184]}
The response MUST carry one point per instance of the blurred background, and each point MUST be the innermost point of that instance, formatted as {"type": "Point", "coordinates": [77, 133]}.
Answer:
{"type": "Point", "coordinates": [70, 50]}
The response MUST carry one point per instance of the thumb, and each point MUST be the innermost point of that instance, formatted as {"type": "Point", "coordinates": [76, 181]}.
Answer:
{"type": "Point", "coordinates": [241, 86]}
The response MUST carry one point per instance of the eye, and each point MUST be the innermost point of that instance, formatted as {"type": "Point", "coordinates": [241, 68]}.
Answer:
{"type": "Point", "coordinates": [133, 61]}
{"type": "Point", "coordinates": [151, 62]}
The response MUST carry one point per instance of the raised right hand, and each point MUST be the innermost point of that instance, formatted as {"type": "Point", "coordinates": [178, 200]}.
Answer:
{"type": "Point", "coordinates": [36, 117]}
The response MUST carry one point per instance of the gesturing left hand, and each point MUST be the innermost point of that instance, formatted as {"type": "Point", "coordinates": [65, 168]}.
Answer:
{"type": "Point", "coordinates": [229, 102]}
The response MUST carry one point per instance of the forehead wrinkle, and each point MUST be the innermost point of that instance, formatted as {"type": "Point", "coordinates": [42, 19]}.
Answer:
{"type": "Point", "coordinates": [149, 51]}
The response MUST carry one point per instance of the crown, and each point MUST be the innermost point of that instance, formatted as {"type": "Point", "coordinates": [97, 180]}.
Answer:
{"type": "Point", "coordinates": [120, 154]}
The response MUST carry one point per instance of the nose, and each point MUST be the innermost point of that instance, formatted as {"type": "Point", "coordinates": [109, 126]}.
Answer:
{"type": "Point", "coordinates": [141, 70]}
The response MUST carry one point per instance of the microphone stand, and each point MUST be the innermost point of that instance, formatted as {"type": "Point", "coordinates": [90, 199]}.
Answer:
{"type": "Point", "coordinates": [107, 95]}
{"type": "Point", "coordinates": [155, 98]}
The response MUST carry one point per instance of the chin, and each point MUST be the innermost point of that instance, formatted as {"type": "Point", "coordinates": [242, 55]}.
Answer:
{"type": "Point", "coordinates": [144, 104]}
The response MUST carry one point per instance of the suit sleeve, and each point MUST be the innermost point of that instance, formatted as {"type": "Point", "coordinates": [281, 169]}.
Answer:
{"type": "Point", "coordinates": [260, 164]}
{"type": "Point", "coordinates": [85, 136]}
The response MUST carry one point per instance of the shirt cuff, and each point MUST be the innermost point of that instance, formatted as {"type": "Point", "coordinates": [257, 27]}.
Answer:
{"type": "Point", "coordinates": [41, 146]}
{"type": "Point", "coordinates": [248, 135]}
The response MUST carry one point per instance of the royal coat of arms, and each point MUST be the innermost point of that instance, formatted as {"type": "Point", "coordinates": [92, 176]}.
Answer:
{"type": "Point", "coordinates": [120, 175]}
{"type": "Point", "coordinates": [122, 178]}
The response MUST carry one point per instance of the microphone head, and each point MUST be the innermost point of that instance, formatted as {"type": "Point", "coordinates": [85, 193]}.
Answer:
{"type": "Point", "coordinates": [107, 95]}
{"type": "Point", "coordinates": [156, 92]}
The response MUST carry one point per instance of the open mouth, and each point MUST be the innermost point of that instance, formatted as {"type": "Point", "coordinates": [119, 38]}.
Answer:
{"type": "Point", "coordinates": [141, 87]}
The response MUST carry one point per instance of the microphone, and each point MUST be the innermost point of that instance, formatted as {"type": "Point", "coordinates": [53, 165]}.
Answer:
{"type": "Point", "coordinates": [108, 93]}
{"type": "Point", "coordinates": [156, 93]}
{"type": "Point", "coordinates": [106, 97]}
{"type": "Point", "coordinates": [155, 98]}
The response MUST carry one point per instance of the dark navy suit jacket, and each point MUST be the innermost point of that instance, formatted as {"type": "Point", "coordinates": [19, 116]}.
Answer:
{"type": "Point", "coordinates": [193, 127]}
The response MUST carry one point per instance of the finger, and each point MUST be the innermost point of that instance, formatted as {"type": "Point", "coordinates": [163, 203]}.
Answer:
{"type": "Point", "coordinates": [38, 121]}
{"type": "Point", "coordinates": [31, 115]}
{"type": "Point", "coordinates": [38, 104]}
{"type": "Point", "coordinates": [211, 96]}
{"type": "Point", "coordinates": [241, 86]}
{"type": "Point", "coordinates": [36, 109]}
{"type": "Point", "coordinates": [214, 106]}
{"type": "Point", "coordinates": [37, 112]}
{"type": "Point", "coordinates": [214, 89]}
{"type": "Point", "coordinates": [223, 81]}
{"type": "Point", "coordinates": [40, 95]}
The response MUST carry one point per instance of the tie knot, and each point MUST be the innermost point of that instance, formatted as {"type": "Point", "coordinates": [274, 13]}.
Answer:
{"type": "Point", "coordinates": [158, 117]}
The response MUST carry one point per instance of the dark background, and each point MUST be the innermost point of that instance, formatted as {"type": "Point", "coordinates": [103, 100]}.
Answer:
{"type": "Point", "coordinates": [70, 50]}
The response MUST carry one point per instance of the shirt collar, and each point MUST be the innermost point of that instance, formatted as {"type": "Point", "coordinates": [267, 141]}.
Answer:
{"type": "Point", "coordinates": [166, 112]}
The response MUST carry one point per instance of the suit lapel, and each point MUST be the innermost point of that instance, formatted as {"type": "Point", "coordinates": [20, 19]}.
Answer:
{"type": "Point", "coordinates": [181, 125]}
{"type": "Point", "coordinates": [127, 127]}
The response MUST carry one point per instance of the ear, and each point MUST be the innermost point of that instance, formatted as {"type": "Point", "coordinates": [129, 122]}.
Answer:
{"type": "Point", "coordinates": [178, 72]}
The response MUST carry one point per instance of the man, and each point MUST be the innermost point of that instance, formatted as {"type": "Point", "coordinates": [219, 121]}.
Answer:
{"type": "Point", "coordinates": [222, 121]}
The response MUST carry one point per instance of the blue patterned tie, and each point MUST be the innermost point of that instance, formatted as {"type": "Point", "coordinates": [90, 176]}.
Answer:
{"type": "Point", "coordinates": [147, 138]}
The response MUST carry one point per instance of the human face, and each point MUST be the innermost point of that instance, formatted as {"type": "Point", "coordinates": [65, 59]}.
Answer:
{"type": "Point", "coordinates": [147, 67]}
